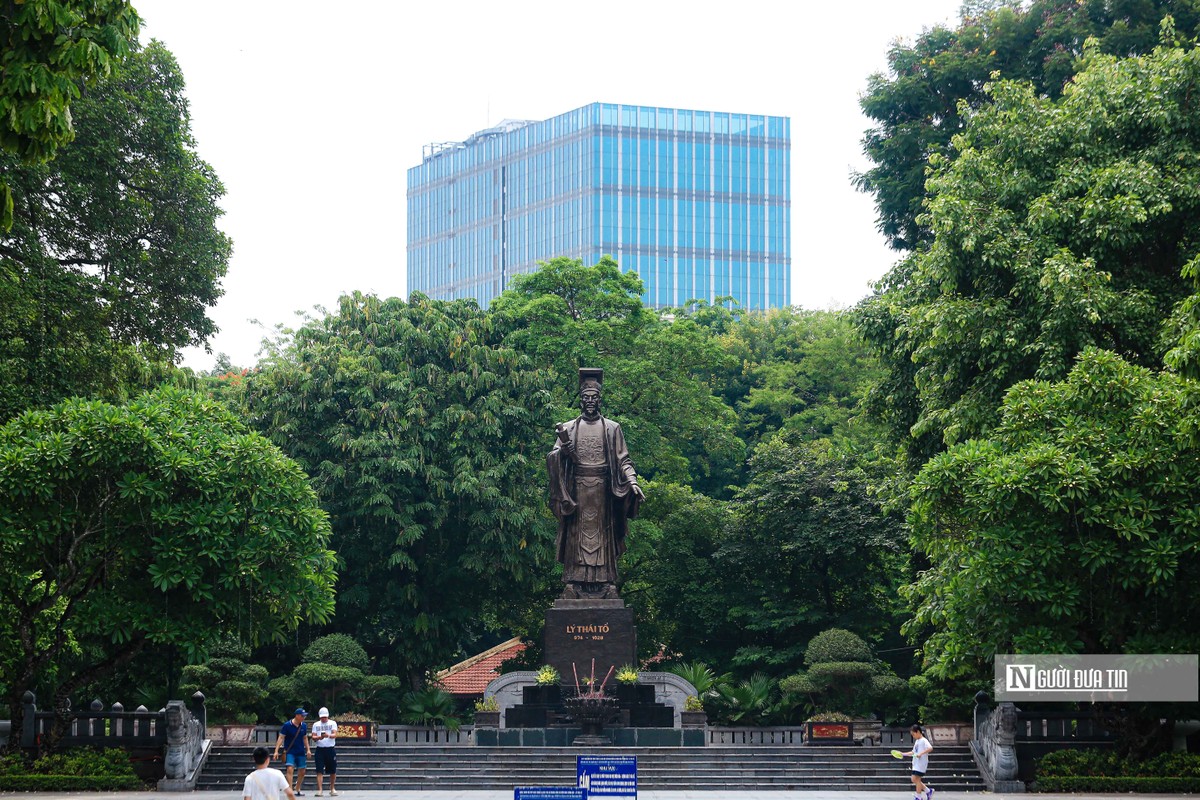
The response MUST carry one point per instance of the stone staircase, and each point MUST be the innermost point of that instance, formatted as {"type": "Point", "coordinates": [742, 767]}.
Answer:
{"type": "Point", "coordinates": [825, 768]}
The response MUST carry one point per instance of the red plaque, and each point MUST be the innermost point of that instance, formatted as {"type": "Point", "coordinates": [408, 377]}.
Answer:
{"type": "Point", "coordinates": [354, 730]}
{"type": "Point", "coordinates": [827, 731]}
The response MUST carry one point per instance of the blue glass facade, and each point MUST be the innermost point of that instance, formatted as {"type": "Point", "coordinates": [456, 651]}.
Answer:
{"type": "Point", "coordinates": [698, 203]}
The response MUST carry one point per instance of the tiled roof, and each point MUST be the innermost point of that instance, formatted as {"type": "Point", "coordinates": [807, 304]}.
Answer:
{"type": "Point", "coordinates": [472, 676]}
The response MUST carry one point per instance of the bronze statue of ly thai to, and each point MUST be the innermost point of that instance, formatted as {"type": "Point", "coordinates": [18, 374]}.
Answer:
{"type": "Point", "coordinates": [594, 493]}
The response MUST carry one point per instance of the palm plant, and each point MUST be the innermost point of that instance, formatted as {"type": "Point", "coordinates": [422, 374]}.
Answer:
{"type": "Point", "coordinates": [699, 675]}
{"type": "Point", "coordinates": [430, 706]}
{"type": "Point", "coordinates": [749, 702]}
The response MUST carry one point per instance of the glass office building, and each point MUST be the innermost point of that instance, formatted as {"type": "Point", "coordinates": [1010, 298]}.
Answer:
{"type": "Point", "coordinates": [698, 203]}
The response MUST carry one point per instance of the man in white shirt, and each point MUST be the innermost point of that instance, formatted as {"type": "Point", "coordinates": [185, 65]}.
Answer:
{"type": "Point", "coordinates": [324, 736]}
{"type": "Point", "coordinates": [265, 783]}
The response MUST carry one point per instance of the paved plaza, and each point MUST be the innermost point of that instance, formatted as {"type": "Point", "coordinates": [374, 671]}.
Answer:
{"type": "Point", "coordinates": [409, 794]}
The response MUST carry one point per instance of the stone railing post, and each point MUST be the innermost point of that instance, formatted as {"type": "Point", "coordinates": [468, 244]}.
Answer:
{"type": "Point", "coordinates": [185, 749]}
{"type": "Point", "coordinates": [200, 712]}
{"type": "Point", "coordinates": [994, 745]}
{"type": "Point", "coordinates": [118, 726]}
{"type": "Point", "coordinates": [29, 720]}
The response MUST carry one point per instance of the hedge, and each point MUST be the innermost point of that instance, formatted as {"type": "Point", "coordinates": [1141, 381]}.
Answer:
{"type": "Point", "coordinates": [1108, 764]}
{"type": "Point", "coordinates": [69, 783]}
{"type": "Point", "coordinates": [1093, 783]}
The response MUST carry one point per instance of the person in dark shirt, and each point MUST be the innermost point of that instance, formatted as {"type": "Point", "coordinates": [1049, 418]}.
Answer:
{"type": "Point", "coordinates": [293, 737]}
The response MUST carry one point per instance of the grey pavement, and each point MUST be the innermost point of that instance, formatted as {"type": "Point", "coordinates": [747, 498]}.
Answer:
{"type": "Point", "coordinates": [497, 794]}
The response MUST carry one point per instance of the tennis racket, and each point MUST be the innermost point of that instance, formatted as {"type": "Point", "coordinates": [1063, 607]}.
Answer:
{"type": "Point", "coordinates": [897, 754]}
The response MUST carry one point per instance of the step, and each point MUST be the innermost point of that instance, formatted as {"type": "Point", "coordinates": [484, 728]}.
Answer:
{"type": "Point", "coordinates": [718, 768]}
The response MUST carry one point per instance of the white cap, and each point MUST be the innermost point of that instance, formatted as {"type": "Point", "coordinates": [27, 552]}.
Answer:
{"type": "Point", "coordinates": [324, 712]}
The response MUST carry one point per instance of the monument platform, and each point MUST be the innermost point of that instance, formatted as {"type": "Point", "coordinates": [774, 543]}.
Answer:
{"type": "Point", "coordinates": [578, 631]}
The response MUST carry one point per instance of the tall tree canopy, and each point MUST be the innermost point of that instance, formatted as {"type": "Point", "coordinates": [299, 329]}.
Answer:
{"type": "Point", "coordinates": [671, 579]}
{"type": "Point", "coordinates": [918, 106]}
{"type": "Point", "coordinates": [1073, 528]}
{"type": "Point", "coordinates": [810, 547]}
{"type": "Point", "coordinates": [658, 371]}
{"type": "Point", "coordinates": [789, 368]}
{"type": "Point", "coordinates": [425, 438]}
{"type": "Point", "coordinates": [1061, 224]}
{"type": "Point", "coordinates": [161, 522]}
{"type": "Point", "coordinates": [47, 47]}
{"type": "Point", "coordinates": [114, 256]}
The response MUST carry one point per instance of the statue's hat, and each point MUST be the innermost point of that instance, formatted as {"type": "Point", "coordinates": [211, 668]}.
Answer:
{"type": "Point", "coordinates": [590, 378]}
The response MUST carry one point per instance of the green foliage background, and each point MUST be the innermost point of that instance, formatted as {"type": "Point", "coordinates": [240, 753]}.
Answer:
{"type": "Point", "coordinates": [991, 453]}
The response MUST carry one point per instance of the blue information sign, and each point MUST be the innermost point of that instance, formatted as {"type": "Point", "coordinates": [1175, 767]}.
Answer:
{"type": "Point", "coordinates": [549, 793]}
{"type": "Point", "coordinates": [608, 776]}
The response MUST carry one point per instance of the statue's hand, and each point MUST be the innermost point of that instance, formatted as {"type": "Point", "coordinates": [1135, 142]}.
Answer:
{"type": "Point", "coordinates": [638, 493]}
{"type": "Point", "coordinates": [568, 447]}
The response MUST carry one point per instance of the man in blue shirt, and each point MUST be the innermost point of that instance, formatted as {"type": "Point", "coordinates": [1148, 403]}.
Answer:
{"type": "Point", "coordinates": [293, 736]}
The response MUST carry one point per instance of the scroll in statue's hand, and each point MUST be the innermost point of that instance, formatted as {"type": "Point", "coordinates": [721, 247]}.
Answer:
{"type": "Point", "coordinates": [565, 442]}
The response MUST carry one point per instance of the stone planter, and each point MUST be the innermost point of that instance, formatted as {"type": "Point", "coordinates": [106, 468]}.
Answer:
{"type": "Point", "coordinates": [487, 719]}
{"type": "Point", "coordinates": [948, 733]}
{"type": "Point", "coordinates": [230, 734]}
{"type": "Point", "coordinates": [626, 694]}
{"type": "Point", "coordinates": [693, 719]}
{"type": "Point", "coordinates": [629, 694]}
{"type": "Point", "coordinates": [829, 732]}
{"type": "Point", "coordinates": [541, 695]}
{"type": "Point", "coordinates": [868, 732]}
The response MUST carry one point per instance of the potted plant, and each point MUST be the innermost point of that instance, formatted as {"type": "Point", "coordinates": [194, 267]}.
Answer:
{"type": "Point", "coordinates": [626, 688]}
{"type": "Point", "coordinates": [693, 714]}
{"type": "Point", "coordinates": [546, 689]}
{"type": "Point", "coordinates": [487, 713]}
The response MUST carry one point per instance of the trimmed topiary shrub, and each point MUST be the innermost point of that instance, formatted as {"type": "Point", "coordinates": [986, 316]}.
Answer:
{"type": "Point", "coordinates": [834, 645]}
{"type": "Point", "coordinates": [339, 650]}
{"type": "Point", "coordinates": [843, 676]}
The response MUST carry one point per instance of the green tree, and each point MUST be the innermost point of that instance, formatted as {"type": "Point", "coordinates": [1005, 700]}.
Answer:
{"type": "Point", "coordinates": [933, 84]}
{"type": "Point", "coordinates": [1061, 224]}
{"type": "Point", "coordinates": [1073, 528]}
{"type": "Point", "coordinates": [570, 315]}
{"type": "Point", "coordinates": [47, 48]}
{"type": "Point", "coordinates": [114, 256]}
{"type": "Point", "coordinates": [233, 689]}
{"type": "Point", "coordinates": [671, 579]}
{"type": "Point", "coordinates": [790, 368]}
{"type": "Point", "coordinates": [164, 521]}
{"type": "Point", "coordinates": [657, 371]}
{"type": "Point", "coordinates": [811, 547]}
{"type": "Point", "coordinates": [424, 436]}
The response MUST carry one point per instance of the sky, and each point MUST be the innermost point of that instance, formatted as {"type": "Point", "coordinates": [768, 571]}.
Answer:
{"type": "Point", "coordinates": [311, 114]}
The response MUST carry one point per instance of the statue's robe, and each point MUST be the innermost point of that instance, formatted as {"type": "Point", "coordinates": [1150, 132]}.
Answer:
{"type": "Point", "coordinates": [593, 500]}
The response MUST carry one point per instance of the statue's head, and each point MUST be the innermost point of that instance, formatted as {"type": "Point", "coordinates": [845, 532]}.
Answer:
{"type": "Point", "coordinates": [590, 379]}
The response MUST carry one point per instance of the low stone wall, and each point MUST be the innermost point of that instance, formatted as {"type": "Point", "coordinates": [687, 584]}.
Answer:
{"type": "Point", "coordinates": [562, 737]}
{"type": "Point", "coordinates": [669, 689]}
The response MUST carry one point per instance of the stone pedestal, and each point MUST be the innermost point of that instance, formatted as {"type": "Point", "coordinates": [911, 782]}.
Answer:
{"type": "Point", "coordinates": [579, 630]}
